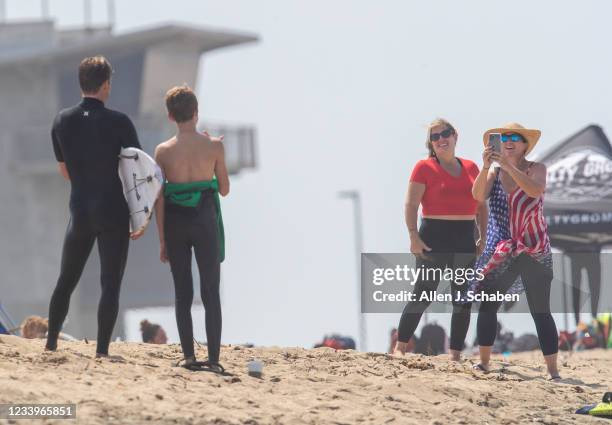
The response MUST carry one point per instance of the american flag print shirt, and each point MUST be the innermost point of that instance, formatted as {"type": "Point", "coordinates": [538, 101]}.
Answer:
{"type": "Point", "coordinates": [516, 225]}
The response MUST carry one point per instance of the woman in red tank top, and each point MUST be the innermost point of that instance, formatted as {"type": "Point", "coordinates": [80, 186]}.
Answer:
{"type": "Point", "coordinates": [442, 186]}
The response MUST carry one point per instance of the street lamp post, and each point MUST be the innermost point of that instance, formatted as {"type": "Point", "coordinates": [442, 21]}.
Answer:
{"type": "Point", "coordinates": [354, 196]}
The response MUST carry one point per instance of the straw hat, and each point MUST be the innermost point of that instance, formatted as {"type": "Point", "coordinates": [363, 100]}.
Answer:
{"type": "Point", "coordinates": [530, 135]}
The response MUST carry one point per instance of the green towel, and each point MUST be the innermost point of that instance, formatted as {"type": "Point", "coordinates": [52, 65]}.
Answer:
{"type": "Point", "coordinates": [189, 195]}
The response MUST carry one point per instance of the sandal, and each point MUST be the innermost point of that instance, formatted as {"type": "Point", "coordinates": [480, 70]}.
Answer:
{"type": "Point", "coordinates": [208, 366]}
{"type": "Point", "coordinates": [197, 366]}
{"type": "Point", "coordinates": [480, 368]}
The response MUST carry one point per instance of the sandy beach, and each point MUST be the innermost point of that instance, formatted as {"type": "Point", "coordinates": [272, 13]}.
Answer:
{"type": "Point", "coordinates": [299, 386]}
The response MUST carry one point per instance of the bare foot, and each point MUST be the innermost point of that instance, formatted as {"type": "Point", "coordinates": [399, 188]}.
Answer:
{"type": "Point", "coordinates": [401, 347]}
{"type": "Point", "coordinates": [455, 355]}
{"type": "Point", "coordinates": [117, 359]}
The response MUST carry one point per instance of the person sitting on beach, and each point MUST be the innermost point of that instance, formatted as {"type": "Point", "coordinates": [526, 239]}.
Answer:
{"type": "Point", "coordinates": [442, 185]}
{"type": "Point", "coordinates": [517, 255]}
{"type": "Point", "coordinates": [34, 327]}
{"type": "Point", "coordinates": [189, 221]}
{"type": "Point", "coordinates": [152, 333]}
{"type": "Point", "coordinates": [432, 341]}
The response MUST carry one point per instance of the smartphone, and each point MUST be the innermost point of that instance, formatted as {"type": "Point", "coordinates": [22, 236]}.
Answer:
{"type": "Point", "coordinates": [495, 142]}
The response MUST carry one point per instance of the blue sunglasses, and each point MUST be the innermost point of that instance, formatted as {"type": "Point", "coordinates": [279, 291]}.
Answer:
{"type": "Point", "coordinates": [512, 137]}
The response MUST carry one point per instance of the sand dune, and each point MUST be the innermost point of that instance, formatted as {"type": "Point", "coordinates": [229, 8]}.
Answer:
{"type": "Point", "coordinates": [299, 386]}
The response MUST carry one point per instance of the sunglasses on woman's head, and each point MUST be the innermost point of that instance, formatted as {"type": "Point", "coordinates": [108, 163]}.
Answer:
{"type": "Point", "coordinates": [434, 137]}
{"type": "Point", "coordinates": [512, 137]}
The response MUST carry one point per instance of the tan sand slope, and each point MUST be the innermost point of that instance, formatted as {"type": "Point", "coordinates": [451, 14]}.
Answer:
{"type": "Point", "coordinates": [299, 386]}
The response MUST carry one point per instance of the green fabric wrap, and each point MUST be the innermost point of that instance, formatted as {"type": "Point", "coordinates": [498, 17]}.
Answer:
{"type": "Point", "coordinates": [189, 195]}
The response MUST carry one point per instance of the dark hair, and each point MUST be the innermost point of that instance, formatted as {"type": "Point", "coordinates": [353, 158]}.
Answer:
{"type": "Point", "coordinates": [435, 123]}
{"type": "Point", "coordinates": [149, 330]}
{"type": "Point", "coordinates": [93, 72]}
{"type": "Point", "coordinates": [181, 103]}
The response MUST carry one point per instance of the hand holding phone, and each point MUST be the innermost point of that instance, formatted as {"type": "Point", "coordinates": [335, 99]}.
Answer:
{"type": "Point", "coordinates": [493, 146]}
{"type": "Point", "coordinates": [495, 142]}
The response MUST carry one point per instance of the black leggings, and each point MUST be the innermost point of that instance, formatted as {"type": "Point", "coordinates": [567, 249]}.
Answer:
{"type": "Point", "coordinates": [537, 279]}
{"type": "Point", "coordinates": [113, 246]}
{"type": "Point", "coordinates": [452, 245]}
{"type": "Point", "coordinates": [187, 228]}
{"type": "Point", "coordinates": [592, 263]}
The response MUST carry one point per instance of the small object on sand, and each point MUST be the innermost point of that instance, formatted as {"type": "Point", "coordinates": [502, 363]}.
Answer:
{"type": "Point", "coordinates": [603, 409]}
{"type": "Point", "coordinates": [255, 368]}
{"type": "Point", "coordinates": [586, 409]}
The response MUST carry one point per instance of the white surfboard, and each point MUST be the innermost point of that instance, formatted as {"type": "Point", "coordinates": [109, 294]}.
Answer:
{"type": "Point", "coordinates": [142, 181]}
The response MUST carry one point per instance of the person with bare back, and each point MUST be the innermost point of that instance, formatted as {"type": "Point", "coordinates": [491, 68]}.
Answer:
{"type": "Point", "coordinates": [189, 221]}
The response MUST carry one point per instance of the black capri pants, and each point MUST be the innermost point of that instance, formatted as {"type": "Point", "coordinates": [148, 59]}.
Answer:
{"type": "Point", "coordinates": [452, 246]}
{"type": "Point", "coordinates": [537, 279]}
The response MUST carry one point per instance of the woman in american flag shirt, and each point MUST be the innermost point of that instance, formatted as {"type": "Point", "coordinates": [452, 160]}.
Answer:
{"type": "Point", "coordinates": [517, 253]}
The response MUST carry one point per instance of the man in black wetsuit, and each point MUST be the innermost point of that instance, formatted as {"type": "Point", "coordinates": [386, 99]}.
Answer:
{"type": "Point", "coordinates": [87, 139]}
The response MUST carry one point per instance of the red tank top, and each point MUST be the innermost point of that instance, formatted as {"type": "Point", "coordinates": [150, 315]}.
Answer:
{"type": "Point", "coordinates": [445, 194]}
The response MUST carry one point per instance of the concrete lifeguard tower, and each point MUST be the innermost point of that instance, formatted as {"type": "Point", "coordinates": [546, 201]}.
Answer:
{"type": "Point", "coordinates": [38, 77]}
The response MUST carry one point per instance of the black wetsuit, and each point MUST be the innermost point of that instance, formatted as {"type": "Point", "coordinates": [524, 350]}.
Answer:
{"type": "Point", "coordinates": [587, 257]}
{"type": "Point", "coordinates": [188, 228]}
{"type": "Point", "coordinates": [88, 138]}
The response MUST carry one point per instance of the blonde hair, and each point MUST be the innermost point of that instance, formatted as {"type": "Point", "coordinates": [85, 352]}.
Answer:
{"type": "Point", "coordinates": [34, 327]}
{"type": "Point", "coordinates": [435, 123]}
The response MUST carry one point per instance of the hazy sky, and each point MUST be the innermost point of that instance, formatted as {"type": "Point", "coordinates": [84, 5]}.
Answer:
{"type": "Point", "coordinates": [340, 92]}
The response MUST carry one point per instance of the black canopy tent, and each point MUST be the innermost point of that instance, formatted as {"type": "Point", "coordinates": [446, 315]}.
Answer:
{"type": "Point", "coordinates": [578, 201]}
{"type": "Point", "coordinates": [578, 206]}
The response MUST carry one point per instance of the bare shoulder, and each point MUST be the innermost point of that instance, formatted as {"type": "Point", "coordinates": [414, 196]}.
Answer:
{"type": "Point", "coordinates": [216, 147]}
{"type": "Point", "coordinates": [163, 147]}
{"type": "Point", "coordinates": [538, 167]}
